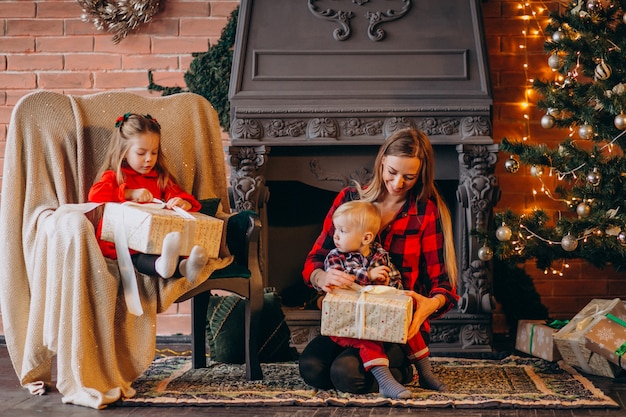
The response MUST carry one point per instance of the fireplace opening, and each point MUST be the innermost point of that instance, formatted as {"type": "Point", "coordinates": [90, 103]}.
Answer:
{"type": "Point", "coordinates": [296, 212]}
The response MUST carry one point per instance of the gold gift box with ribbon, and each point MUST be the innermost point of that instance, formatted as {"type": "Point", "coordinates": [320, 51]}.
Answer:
{"type": "Point", "coordinates": [607, 336]}
{"type": "Point", "coordinates": [372, 312]}
{"type": "Point", "coordinates": [535, 337]}
{"type": "Point", "coordinates": [571, 342]}
{"type": "Point", "coordinates": [145, 226]}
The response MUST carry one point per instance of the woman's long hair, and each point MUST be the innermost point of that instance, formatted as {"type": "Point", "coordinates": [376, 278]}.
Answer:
{"type": "Point", "coordinates": [126, 128]}
{"type": "Point", "coordinates": [414, 143]}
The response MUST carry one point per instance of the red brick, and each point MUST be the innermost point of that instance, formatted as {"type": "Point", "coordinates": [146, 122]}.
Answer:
{"type": "Point", "coordinates": [154, 62]}
{"type": "Point", "coordinates": [65, 44]}
{"type": "Point", "coordinates": [160, 27]}
{"type": "Point", "coordinates": [61, 80]}
{"type": "Point", "coordinates": [92, 61]}
{"type": "Point", "coordinates": [223, 8]}
{"type": "Point", "coordinates": [132, 44]}
{"type": "Point", "coordinates": [170, 79]}
{"type": "Point", "coordinates": [41, 62]}
{"type": "Point", "coordinates": [34, 27]}
{"type": "Point", "coordinates": [79, 27]}
{"type": "Point", "coordinates": [201, 26]}
{"type": "Point", "coordinates": [120, 80]}
{"type": "Point", "coordinates": [5, 114]}
{"type": "Point", "coordinates": [15, 9]}
{"type": "Point", "coordinates": [181, 45]}
{"type": "Point", "coordinates": [17, 80]}
{"type": "Point", "coordinates": [62, 9]}
{"type": "Point", "coordinates": [13, 96]}
{"type": "Point", "coordinates": [186, 8]}
{"type": "Point", "coordinates": [17, 44]}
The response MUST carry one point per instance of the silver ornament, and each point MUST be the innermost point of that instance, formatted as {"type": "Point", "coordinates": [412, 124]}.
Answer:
{"type": "Point", "coordinates": [583, 210]}
{"type": "Point", "coordinates": [504, 233]}
{"type": "Point", "coordinates": [555, 61]}
{"type": "Point", "coordinates": [558, 36]}
{"type": "Point", "coordinates": [485, 253]}
{"type": "Point", "coordinates": [621, 238]}
{"type": "Point", "coordinates": [594, 177]}
{"type": "Point", "coordinates": [569, 243]}
{"type": "Point", "coordinates": [536, 171]}
{"type": "Point", "coordinates": [547, 121]}
{"type": "Point", "coordinates": [593, 5]}
{"type": "Point", "coordinates": [602, 71]}
{"type": "Point", "coordinates": [511, 165]}
{"type": "Point", "coordinates": [620, 121]}
{"type": "Point", "coordinates": [585, 131]}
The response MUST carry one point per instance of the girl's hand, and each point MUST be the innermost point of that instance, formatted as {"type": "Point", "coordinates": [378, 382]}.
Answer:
{"type": "Point", "coordinates": [423, 308]}
{"type": "Point", "coordinates": [333, 278]}
{"type": "Point", "coordinates": [379, 274]}
{"type": "Point", "coordinates": [140, 195]}
{"type": "Point", "coordinates": [178, 202]}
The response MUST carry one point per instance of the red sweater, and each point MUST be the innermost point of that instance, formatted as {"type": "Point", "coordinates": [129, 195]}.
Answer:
{"type": "Point", "coordinates": [107, 190]}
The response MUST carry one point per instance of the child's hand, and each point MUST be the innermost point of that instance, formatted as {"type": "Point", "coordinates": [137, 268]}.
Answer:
{"type": "Point", "coordinates": [178, 202]}
{"type": "Point", "coordinates": [379, 275]}
{"type": "Point", "coordinates": [141, 195]}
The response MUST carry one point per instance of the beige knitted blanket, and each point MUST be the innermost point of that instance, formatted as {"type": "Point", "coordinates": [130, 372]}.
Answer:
{"type": "Point", "coordinates": [58, 294]}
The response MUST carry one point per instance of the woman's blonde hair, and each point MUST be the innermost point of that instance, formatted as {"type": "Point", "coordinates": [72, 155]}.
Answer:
{"type": "Point", "coordinates": [414, 143]}
{"type": "Point", "coordinates": [363, 214]}
{"type": "Point", "coordinates": [126, 127]}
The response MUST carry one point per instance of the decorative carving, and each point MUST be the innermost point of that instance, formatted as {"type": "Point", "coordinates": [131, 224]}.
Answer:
{"type": "Point", "coordinates": [475, 334]}
{"type": "Point", "coordinates": [361, 175]}
{"type": "Point", "coordinates": [322, 127]}
{"type": "Point", "coordinates": [433, 126]}
{"type": "Point", "coordinates": [246, 129]}
{"type": "Point", "coordinates": [340, 16]}
{"type": "Point", "coordinates": [377, 18]}
{"type": "Point", "coordinates": [247, 183]}
{"type": "Point", "coordinates": [278, 128]}
{"type": "Point", "coordinates": [444, 334]}
{"type": "Point", "coordinates": [475, 126]}
{"type": "Point", "coordinates": [396, 123]}
{"type": "Point", "coordinates": [476, 285]}
{"type": "Point", "coordinates": [356, 127]}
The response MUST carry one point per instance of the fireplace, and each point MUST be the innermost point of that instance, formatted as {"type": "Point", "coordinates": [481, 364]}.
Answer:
{"type": "Point", "coordinates": [317, 86]}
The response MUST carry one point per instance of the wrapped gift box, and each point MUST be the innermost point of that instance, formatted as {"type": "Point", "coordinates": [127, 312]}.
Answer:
{"type": "Point", "coordinates": [373, 312]}
{"type": "Point", "coordinates": [571, 342]}
{"type": "Point", "coordinates": [607, 336]}
{"type": "Point", "coordinates": [145, 226]}
{"type": "Point", "coordinates": [535, 337]}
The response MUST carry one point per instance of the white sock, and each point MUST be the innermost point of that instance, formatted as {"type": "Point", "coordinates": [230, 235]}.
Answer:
{"type": "Point", "coordinates": [165, 264]}
{"type": "Point", "coordinates": [192, 266]}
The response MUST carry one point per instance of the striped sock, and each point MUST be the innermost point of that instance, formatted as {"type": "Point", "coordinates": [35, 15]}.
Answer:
{"type": "Point", "coordinates": [387, 384]}
{"type": "Point", "coordinates": [427, 379]}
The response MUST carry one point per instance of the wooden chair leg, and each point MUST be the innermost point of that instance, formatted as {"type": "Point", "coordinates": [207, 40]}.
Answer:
{"type": "Point", "coordinates": [254, 306]}
{"type": "Point", "coordinates": [199, 308]}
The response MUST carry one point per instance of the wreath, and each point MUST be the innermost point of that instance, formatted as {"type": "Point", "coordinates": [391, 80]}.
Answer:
{"type": "Point", "coordinates": [119, 16]}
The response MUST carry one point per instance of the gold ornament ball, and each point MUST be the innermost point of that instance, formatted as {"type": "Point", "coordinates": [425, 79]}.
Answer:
{"type": "Point", "coordinates": [547, 121]}
{"type": "Point", "coordinates": [602, 71]}
{"type": "Point", "coordinates": [569, 243]}
{"type": "Point", "coordinates": [583, 210]}
{"type": "Point", "coordinates": [620, 120]}
{"type": "Point", "coordinates": [511, 165]}
{"type": "Point", "coordinates": [504, 233]}
{"type": "Point", "coordinates": [585, 131]}
{"type": "Point", "coordinates": [485, 253]}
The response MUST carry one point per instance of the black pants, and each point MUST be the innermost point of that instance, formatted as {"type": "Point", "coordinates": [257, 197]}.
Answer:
{"type": "Point", "coordinates": [324, 364]}
{"type": "Point", "coordinates": [145, 264]}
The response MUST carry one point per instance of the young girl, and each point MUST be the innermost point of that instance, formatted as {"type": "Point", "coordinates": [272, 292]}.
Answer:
{"type": "Point", "coordinates": [134, 170]}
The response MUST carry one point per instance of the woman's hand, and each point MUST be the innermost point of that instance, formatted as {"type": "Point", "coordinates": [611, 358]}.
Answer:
{"type": "Point", "coordinates": [330, 279]}
{"type": "Point", "coordinates": [178, 202]}
{"type": "Point", "coordinates": [140, 195]}
{"type": "Point", "coordinates": [424, 307]}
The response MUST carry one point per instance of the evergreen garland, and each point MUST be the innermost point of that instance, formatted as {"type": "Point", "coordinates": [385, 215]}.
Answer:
{"type": "Point", "coordinates": [209, 73]}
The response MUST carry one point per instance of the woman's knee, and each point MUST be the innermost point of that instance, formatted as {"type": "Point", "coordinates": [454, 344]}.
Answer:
{"type": "Point", "coordinates": [348, 374]}
{"type": "Point", "coordinates": [315, 361]}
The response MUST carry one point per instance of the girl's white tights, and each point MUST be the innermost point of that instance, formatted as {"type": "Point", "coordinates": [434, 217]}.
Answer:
{"type": "Point", "coordinates": [192, 266]}
{"type": "Point", "coordinates": [166, 264]}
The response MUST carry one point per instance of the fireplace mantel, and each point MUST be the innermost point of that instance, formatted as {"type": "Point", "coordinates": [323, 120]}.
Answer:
{"type": "Point", "coordinates": [318, 85]}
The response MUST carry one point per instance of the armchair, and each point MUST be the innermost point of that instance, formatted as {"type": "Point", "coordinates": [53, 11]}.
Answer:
{"type": "Point", "coordinates": [58, 295]}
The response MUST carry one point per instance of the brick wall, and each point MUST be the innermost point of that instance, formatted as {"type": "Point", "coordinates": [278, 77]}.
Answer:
{"type": "Point", "coordinates": [45, 45]}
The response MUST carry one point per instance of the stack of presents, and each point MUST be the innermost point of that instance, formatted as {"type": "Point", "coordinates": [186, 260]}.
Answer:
{"type": "Point", "coordinates": [593, 341]}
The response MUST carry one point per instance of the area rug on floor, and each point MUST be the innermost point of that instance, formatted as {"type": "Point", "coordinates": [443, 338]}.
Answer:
{"type": "Point", "coordinates": [512, 382]}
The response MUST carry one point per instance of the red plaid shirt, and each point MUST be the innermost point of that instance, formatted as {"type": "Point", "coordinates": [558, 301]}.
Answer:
{"type": "Point", "coordinates": [414, 240]}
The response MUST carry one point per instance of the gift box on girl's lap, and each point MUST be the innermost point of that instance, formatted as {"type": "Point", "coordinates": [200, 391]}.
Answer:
{"type": "Point", "coordinates": [607, 336]}
{"type": "Point", "coordinates": [145, 226]}
{"type": "Point", "coordinates": [373, 312]}
{"type": "Point", "coordinates": [571, 342]}
{"type": "Point", "coordinates": [535, 337]}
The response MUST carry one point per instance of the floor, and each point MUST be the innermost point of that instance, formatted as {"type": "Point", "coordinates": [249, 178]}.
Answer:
{"type": "Point", "coordinates": [17, 402]}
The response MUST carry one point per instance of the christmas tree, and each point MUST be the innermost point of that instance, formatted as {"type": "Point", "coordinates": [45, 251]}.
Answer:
{"type": "Point", "coordinates": [585, 175]}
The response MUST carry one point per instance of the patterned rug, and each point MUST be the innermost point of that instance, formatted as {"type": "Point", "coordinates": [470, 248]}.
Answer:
{"type": "Point", "coordinates": [512, 382]}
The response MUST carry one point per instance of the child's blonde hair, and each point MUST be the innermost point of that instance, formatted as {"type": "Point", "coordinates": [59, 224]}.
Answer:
{"type": "Point", "coordinates": [126, 127]}
{"type": "Point", "coordinates": [362, 214]}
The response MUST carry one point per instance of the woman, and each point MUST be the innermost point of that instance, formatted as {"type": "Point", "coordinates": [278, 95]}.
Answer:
{"type": "Point", "coordinates": [417, 232]}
